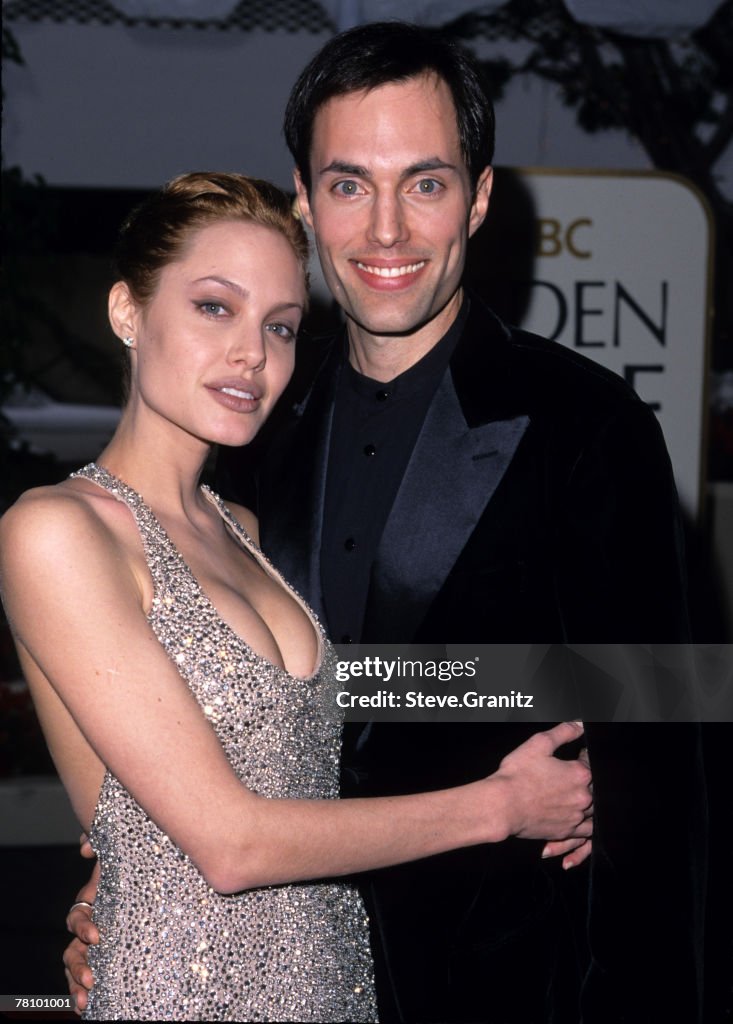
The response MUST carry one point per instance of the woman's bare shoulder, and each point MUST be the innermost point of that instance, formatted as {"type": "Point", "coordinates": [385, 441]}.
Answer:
{"type": "Point", "coordinates": [52, 507]}
{"type": "Point", "coordinates": [57, 506]}
{"type": "Point", "coordinates": [50, 522]}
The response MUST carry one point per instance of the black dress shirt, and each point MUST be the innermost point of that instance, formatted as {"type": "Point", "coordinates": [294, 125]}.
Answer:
{"type": "Point", "coordinates": [375, 427]}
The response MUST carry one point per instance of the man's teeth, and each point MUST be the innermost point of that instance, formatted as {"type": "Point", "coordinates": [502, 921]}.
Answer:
{"type": "Point", "coordinates": [236, 394]}
{"type": "Point", "coordinates": [408, 268]}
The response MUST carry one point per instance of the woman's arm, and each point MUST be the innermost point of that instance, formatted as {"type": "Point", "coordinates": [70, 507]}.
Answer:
{"type": "Point", "coordinates": [75, 607]}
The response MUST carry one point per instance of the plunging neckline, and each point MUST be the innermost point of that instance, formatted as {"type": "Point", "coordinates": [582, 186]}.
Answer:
{"type": "Point", "coordinates": [118, 488]}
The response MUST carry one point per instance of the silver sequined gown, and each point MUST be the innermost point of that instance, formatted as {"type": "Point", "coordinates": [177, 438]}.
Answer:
{"type": "Point", "coordinates": [171, 947]}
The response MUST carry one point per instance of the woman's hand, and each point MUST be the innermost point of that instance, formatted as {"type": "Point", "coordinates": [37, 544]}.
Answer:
{"type": "Point", "coordinates": [574, 851]}
{"type": "Point", "coordinates": [79, 922]}
{"type": "Point", "coordinates": [547, 798]}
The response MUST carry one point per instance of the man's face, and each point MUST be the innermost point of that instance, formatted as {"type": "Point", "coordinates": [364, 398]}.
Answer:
{"type": "Point", "coordinates": [391, 207]}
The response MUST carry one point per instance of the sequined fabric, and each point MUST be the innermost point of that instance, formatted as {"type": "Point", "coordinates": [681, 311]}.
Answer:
{"type": "Point", "coordinates": [171, 947]}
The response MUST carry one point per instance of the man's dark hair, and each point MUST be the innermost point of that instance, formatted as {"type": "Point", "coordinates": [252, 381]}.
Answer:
{"type": "Point", "coordinates": [376, 54]}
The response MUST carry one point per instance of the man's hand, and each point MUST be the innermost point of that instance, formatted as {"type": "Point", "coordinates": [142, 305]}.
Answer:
{"type": "Point", "coordinates": [79, 977]}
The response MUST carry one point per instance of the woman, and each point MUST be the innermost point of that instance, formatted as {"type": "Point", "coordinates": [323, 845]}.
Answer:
{"type": "Point", "coordinates": [183, 687]}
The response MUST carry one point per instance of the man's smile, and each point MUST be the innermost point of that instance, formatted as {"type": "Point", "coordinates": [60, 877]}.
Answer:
{"type": "Point", "coordinates": [384, 276]}
{"type": "Point", "coordinates": [391, 271]}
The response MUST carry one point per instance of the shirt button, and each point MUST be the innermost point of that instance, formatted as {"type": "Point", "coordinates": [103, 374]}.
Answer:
{"type": "Point", "coordinates": [347, 639]}
{"type": "Point", "coordinates": [349, 543]}
{"type": "Point", "coordinates": [370, 450]}
{"type": "Point", "coordinates": [382, 395]}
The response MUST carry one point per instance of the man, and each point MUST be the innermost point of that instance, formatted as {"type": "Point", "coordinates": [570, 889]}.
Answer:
{"type": "Point", "coordinates": [444, 478]}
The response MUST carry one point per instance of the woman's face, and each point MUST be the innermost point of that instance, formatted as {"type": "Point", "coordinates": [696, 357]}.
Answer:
{"type": "Point", "coordinates": [215, 346]}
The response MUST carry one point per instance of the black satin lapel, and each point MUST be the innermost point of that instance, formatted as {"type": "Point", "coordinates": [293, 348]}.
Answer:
{"type": "Point", "coordinates": [293, 529]}
{"type": "Point", "coordinates": [450, 479]}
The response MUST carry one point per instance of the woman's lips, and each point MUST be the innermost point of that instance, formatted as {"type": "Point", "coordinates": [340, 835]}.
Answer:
{"type": "Point", "coordinates": [238, 395]}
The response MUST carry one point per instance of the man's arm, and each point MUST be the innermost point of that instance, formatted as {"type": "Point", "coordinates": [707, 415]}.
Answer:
{"type": "Point", "coordinates": [622, 579]}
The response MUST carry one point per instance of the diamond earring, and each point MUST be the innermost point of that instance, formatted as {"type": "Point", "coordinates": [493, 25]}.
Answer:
{"type": "Point", "coordinates": [128, 342]}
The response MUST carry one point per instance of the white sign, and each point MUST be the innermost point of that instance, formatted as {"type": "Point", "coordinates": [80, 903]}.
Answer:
{"type": "Point", "coordinates": [622, 274]}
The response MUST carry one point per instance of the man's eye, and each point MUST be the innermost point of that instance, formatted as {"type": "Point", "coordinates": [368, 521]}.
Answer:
{"type": "Point", "coordinates": [347, 188]}
{"type": "Point", "coordinates": [282, 330]}
{"type": "Point", "coordinates": [428, 186]}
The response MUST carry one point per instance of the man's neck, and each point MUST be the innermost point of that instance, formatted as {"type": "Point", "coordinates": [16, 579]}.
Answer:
{"type": "Point", "coordinates": [384, 357]}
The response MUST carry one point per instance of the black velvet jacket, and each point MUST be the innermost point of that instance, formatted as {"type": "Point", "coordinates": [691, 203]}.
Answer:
{"type": "Point", "coordinates": [538, 505]}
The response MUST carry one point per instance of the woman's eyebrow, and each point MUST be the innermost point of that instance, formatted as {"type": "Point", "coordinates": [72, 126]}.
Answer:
{"type": "Point", "coordinates": [224, 281]}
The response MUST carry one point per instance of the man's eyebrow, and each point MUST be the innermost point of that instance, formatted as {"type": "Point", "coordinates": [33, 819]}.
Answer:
{"type": "Point", "coordinates": [434, 163]}
{"type": "Point", "coordinates": [342, 167]}
{"type": "Point", "coordinates": [224, 281]}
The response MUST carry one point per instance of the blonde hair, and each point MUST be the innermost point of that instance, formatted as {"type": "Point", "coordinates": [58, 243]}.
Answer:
{"type": "Point", "coordinates": [157, 231]}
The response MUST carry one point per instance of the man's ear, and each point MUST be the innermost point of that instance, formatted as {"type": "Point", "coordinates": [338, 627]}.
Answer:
{"type": "Point", "coordinates": [123, 311]}
{"type": "Point", "coordinates": [303, 201]}
{"type": "Point", "coordinates": [480, 204]}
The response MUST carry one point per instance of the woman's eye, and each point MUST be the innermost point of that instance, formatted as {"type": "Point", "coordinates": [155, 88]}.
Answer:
{"type": "Point", "coordinates": [213, 309]}
{"type": "Point", "coordinates": [282, 330]}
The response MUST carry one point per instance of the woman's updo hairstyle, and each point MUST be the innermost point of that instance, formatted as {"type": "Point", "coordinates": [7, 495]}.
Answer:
{"type": "Point", "coordinates": [156, 232]}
